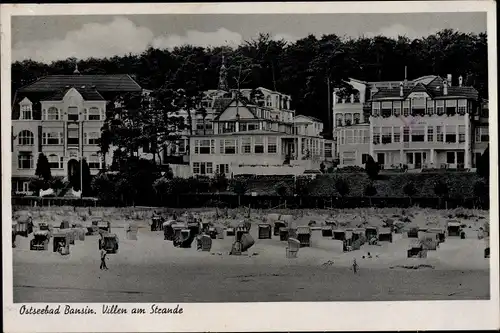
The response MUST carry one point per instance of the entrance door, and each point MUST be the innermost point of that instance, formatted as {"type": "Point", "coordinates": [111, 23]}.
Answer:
{"type": "Point", "coordinates": [418, 160]}
{"type": "Point", "coordinates": [381, 158]}
{"type": "Point", "coordinates": [203, 168]}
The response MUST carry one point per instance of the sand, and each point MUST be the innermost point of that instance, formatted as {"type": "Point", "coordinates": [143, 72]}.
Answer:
{"type": "Point", "coordinates": [152, 270]}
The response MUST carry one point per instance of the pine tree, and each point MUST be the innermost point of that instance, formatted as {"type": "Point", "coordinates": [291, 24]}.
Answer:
{"type": "Point", "coordinates": [43, 167]}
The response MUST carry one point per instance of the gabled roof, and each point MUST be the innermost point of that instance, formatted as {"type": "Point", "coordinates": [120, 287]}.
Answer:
{"type": "Point", "coordinates": [103, 83]}
{"type": "Point", "coordinates": [87, 94]}
{"type": "Point", "coordinates": [309, 117]}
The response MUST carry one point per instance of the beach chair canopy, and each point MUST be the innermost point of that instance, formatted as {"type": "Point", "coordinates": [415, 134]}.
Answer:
{"type": "Point", "coordinates": [24, 219]}
{"type": "Point", "coordinates": [384, 231]}
{"type": "Point", "coordinates": [44, 233]}
{"type": "Point", "coordinates": [453, 224]}
{"type": "Point", "coordinates": [415, 244]}
{"type": "Point", "coordinates": [303, 230]}
{"type": "Point", "coordinates": [168, 223]}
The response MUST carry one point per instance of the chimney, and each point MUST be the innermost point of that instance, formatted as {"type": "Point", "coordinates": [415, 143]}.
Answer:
{"type": "Point", "coordinates": [445, 87]}
{"type": "Point", "coordinates": [449, 79]}
{"type": "Point", "coordinates": [401, 89]}
{"type": "Point", "coordinates": [460, 80]}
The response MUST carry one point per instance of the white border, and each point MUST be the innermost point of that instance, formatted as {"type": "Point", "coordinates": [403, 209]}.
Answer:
{"type": "Point", "coordinates": [311, 316]}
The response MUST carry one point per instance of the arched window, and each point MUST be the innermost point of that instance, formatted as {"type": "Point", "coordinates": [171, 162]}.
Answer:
{"type": "Point", "coordinates": [348, 119]}
{"type": "Point", "coordinates": [26, 138]}
{"type": "Point", "coordinates": [357, 118]}
{"type": "Point", "coordinates": [52, 114]}
{"type": "Point", "coordinates": [94, 161]}
{"type": "Point", "coordinates": [339, 119]}
{"type": "Point", "coordinates": [54, 161]}
{"type": "Point", "coordinates": [94, 114]}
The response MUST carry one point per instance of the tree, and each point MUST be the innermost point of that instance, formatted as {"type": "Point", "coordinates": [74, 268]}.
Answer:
{"type": "Point", "coordinates": [322, 167]}
{"type": "Point", "coordinates": [370, 191]}
{"type": "Point", "coordinates": [441, 190]}
{"type": "Point", "coordinates": [43, 167]}
{"type": "Point", "coordinates": [483, 165]}
{"type": "Point", "coordinates": [86, 179]}
{"type": "Point", "coordinates": [220, 182]}
{"type": "Point", "coordinates": [240, 187]}
{"type": "Point", "coordinates": [372, 168]}
{"type": "Point", "coordinates": [410, 190]}
{"type": "Point", "coordinates": [342, 188]}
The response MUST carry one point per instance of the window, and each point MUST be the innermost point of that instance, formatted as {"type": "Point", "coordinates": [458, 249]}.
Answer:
{"type": "Point", "coordinates": [73, 113]}
{"type": "Point", "coordinates": [386, 134]}
{"type": "Point", "coordinates": [269, 101]}
{"type": "Point", "coordinates": [52, 114]}
{"type": "Point", "coordinates": [386, 109]}
{"type": "Point", "coordinates": [222, 168]}
{"type": "Point", "coordinates": [228, 146]}
{"type": "Point", "coordinates": [451, 134]}
{"type": "Point", "coordinates": [328, 150]}
{"type": "Point", "coordinates": [406, 134]}
{"type": "Point", "coordinates": [205, 146]}
{"type": "Point", "coordinates": [243, 127]}
{"type": "Point", "coordinates": [26, 138]}
{"type": "Point", "coordinates": [348, 157]}
{"type": "Point", "coordinates": [418, 134]}
{"type": "Point", "coordinates": [92, 138]}
{"type": "Point", "coordinates": [450, 157]}
{"type": "Point", "coordinates": [246, 145]}
{"type": "Point", "coordinates": [406, 108]}
{"type": "Point", "coordinates": [397, 108]}
{"type": "Point", "coordinates": [409, 158]}
{"type": "Point", "coordinates": [26, 112]}
{"type": "Point", "coordinates": [348, 119]}
{"type": "Point", "coordinates": [272, 146]}
{"type": "Point", "coordinates": [349, 138]}
{"type": "Point", "coordinates": [461, 133]}
{"type": "Point", "coordinates": [451, 107]}
{"type": "Point", "coordinates": [51, 138]}
{"type": "Point", "coordinates": [430, 107]}
{"type": "Point", "coordinates": [376, 135]}
{"type": "Point", "coordinates": [460, 158]}
{"type": "Point", "coordinates": [94, 161]}
{"type": "Point", "coordinates": [339, 119]}
{"type": "Point", "coordinates": [94, 114]}
{"type": "Point", "coordinates": [482, 134]}
{"type": "Point", "coordinates": [397, 134]}
{"type": "Point", "coordinates": [258, 145]}
{"type": "Point", "coordinates": [439, 134]}
{"type": "Point", "coordinates": [366, 136]}
{"type": "Point", "coordinates": [200, 124]}
{"type": "Point", "coordinates": [376, 109]}
{"type": "Point", "coordinates": [430, 134]}
{"type": "Point", "coordinates": [25, 160]}
{"type": "Point", "coordinates": [196, 168]}
{"type": "Point", "coordinates": [357, 118]}
{"type": "Point", "coordinates": [364, 158]}
{"type": "Point", "coordinates": [418, 107]}
{"type": "Point", "coordinates": [253, 127]}
{"type": "Point", "coordinates": [440, 107]}
{"type": "Point", "coordinates": [202, 168]}
{"type": "Point", "coordinates": [54, 161]}
{"type": "Point", "coordinates": [462, 107]}
{"type": "Point", "coordinates": [73, 136]}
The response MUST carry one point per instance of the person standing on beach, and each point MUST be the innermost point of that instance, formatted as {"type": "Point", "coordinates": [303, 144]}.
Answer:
{"type": "Point", "coordinates": [354, 266]}
{"type": "Point", "coordinates": [103, 259]}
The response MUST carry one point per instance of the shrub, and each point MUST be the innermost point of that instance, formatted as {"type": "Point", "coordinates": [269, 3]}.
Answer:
{"type": "Point", "coordinates": [282, 189]}
{"type": "Point", "coordinates": [372, 168]}
{"type": "Point", "coordinates": [219, 182]}
{"type": "Point", "coordinates": [483, 165]}
{"type": "Point", "coordinates": [342, 187]}
{"type": "Point", "coordinates": [239, 186]}
{"type": "Point", "coordinates": [370, 190]}
{"type": "Point", "coordinates": [409, 189]}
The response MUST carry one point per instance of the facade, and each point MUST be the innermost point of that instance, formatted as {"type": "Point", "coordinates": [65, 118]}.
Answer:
{"type": "Point", "coordinates": [261, 138]}
{"type": "Point", "coordinates": [424, 123]}
{"type": "Point", "coordinates": [61, 116]}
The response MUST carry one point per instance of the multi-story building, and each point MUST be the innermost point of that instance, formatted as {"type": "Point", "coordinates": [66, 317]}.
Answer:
{"type": "Point", "coordinates": [424, 123]}
{"type": "Point", "coordinates": [61, 116]}
{"type": "Point", "coordinates": [260, 137]}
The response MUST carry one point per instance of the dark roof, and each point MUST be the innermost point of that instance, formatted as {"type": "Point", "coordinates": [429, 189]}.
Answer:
{"type": "Point", "coordinates": [112, 82]}
{"type": "Point", "coordinates": [312, 118]}
{"type": "Point", "coordinates": [87, 94]}
{"type": "Point", "coordinates": [222, 103]}
{"type": "Point", "coordinates": [433, 89]}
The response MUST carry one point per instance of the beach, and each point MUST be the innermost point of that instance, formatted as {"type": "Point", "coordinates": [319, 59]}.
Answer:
{"type": "Point", "coordinates": [151, 269]}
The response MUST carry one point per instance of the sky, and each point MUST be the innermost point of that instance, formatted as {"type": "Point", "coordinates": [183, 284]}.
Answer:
{"type": "Point", "coordinates": [49, 38]}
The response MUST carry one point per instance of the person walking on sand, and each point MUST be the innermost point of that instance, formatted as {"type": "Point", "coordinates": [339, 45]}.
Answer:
{"type": "Point", "coordinates": [354, 266]}
{"type": "Point", "coordinates": [103, 259]}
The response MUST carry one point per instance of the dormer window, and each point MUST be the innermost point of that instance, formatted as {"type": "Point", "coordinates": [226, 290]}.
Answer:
{"type": "Point", "coordinates": [26, 111]}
